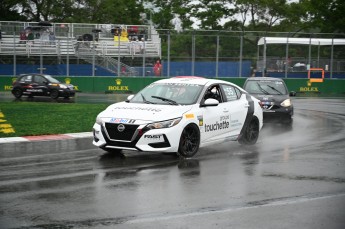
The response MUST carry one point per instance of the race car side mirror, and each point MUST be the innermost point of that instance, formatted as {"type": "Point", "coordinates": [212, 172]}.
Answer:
{"type": "Point", "coordinates": [210, 103]}
{"type": "Point", "coordinates": [129, 98]}
{"type": "Point", "coordinates": [292, 93]}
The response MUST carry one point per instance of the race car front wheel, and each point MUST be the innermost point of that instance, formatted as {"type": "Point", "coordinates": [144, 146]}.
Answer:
{"type": "Point", "coordinates": [189, 141]}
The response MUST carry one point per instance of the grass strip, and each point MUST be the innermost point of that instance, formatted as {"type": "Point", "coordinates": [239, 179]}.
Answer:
{"type": "Point", "coordinates": [28, 118]}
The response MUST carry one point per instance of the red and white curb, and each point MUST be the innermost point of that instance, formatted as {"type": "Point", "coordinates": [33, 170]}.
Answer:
{"type": "Point", "coordinates": [52, 137]}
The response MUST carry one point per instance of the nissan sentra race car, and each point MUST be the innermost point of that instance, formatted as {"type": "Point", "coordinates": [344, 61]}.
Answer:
{"type": "Point", "coordinates": [179, 115]}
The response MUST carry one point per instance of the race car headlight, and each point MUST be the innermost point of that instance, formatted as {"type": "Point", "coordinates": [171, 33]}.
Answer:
{"type": "Point", "coordinates": [63, 86]}
{"type": "Point", "coordinates": [99, 120]}
{"type": "Point", "coordinates": [286, 103]}
{"type": "Point", "coordinates": [164, 124]}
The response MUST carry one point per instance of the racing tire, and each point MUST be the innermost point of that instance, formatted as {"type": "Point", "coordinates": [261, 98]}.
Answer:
{"type": "Point", "coordinates": [250, 134]}
{"type": "Point", "coordinates": [189, 141]}
{"type": "Point", "coordinates": [17, 93]}
{"type": "Point", "coordinates": [54, 94]}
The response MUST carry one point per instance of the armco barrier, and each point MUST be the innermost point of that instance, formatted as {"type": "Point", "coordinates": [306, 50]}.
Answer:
{"type": "Point", "coordinates": [134, 84]}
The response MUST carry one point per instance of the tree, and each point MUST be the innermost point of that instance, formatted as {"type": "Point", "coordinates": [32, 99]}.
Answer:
{"type": "Point", "coordinates": [9, 12]}
{"type": "Point", "coordinates": [211, 14]}
{"type": "Point", "coordinates": [83, 11]}
{"type": "Point", "coordinates": [327, 15]}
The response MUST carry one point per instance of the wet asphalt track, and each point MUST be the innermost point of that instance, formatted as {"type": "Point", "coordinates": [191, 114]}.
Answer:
{"type": "Point", "coordinates": [290, 179]}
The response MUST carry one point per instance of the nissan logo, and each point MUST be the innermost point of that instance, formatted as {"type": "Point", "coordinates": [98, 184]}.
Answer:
{"type": "Point", "coordinates": [121, 127]}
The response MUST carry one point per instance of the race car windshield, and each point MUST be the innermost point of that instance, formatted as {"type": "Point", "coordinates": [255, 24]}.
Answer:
{"type": "Point", "coordinates": [51, 79]}
{"type": "Point", "coordinates": [266, 87]}
{"type": "Point", "coordinates": [169, 93]}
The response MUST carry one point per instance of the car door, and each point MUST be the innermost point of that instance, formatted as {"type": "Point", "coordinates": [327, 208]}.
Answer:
{"type": "Point", "coordinates": [40, 85]}
{"type": "Point", "coordinates": [237, 106]}
{"type": "Point", "coordinates": [25, 84]}
{"type": "Point", "coordinates": [215, 118]}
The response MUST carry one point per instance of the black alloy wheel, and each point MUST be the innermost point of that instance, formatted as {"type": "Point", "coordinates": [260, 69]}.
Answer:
{"type": "Point", "coordinates": [54, 94]}
{"type": "Point", "coordinates": [251, 134]}
{"type": "Point", "coordinates": [17, 93]}
{"type": "Point", "coordinates": [189, 141]}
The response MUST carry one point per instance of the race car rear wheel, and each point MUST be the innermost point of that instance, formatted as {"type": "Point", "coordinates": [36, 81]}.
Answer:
{"type": "Point", "coordinates": [17, 93]}
{"type": "Point", "coordinates": [54, 94]}
{"type": "Point", "coordinates": [189, 141]}
{"type": "Point", "coordinates": [250, 134]}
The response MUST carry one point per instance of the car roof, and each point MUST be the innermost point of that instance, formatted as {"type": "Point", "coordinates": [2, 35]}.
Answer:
{"type": "Point", "coordinates": [192, 80]}
{"type": "Point", "coordinates": [264, 79]}
{"type": "Point", "coordinates": [33, 74]}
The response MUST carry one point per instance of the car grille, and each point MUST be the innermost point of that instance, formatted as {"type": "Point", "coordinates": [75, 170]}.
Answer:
{"type": "Point", "coordinates": [271, 107]}
{"type": "Point", "coordinates": [115, 134]}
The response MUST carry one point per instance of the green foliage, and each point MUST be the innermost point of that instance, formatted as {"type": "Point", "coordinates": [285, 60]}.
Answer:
{"type": "Point", "coordinates": [8, 11]}
{"type": "Point", "coordinates": [28, 118]}
{"type": "Point", "coordinates": [247, 15]}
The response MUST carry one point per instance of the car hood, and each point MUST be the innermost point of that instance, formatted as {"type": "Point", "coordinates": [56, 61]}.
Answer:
{"type": "Point", "coordinates": [70, 86]}
{"type": "Point", "coordinates": [271, 98]}
{"type": "Point", "coordinates": [144, 112]}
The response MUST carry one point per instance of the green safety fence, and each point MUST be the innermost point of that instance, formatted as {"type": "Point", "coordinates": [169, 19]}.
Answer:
{"type": "Point", "coordinates": [134, 84]}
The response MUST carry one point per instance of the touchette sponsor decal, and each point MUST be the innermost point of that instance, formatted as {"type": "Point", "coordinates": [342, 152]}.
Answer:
{"type": "Point", "coordinates": [235, 123]}
{"type": "Point", "coordinates": [222, 124]}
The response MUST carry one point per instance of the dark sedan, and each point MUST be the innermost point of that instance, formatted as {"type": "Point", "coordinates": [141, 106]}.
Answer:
{"type": "Point", "coordinates": [41, 85]}
{"type": "Point", "coordinates": [274, 96]}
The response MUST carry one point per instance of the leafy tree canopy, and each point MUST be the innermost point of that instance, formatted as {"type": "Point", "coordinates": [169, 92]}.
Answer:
{"type": "Point", "coordinates": [265, 15]}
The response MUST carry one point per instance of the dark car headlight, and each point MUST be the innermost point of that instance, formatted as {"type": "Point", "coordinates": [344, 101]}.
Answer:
{"type": "Point", "coordinates": [286, 103]}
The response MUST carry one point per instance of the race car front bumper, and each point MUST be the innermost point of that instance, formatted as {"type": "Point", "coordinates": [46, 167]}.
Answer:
{"type": "Point", "coordinates": [139, 139]}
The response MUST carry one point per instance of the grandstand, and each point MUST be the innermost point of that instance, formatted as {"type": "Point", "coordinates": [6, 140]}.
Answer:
{"type": "Point", "coordinates": [97, 46]}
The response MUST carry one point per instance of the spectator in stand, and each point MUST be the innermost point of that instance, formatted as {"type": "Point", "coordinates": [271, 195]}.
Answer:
{"type": "Point", "coordinates": [142, 45]}
{"type": "Point", "coordinates": [124, 70]}
{"type": "Point", "coordinates": [30, 37]}
{"type": "Point", "coordinates": [133, 32]}
{"type": "Point", "coordinates": [124, 35]}
{"type": "Point", "coordinates": [79, 43]}
{"type": "Point", "coordinates": [142, 34]}
{"type": "Point", "coordinates": [22, 37]}
{"type": "Point", "coordinates": [52, 38]}
{"type": "Point", "coordinates": [157, 69]}
{"type": "Point", "coordinates": [117, 33]}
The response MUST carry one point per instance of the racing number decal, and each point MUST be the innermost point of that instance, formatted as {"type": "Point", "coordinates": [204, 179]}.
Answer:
{"type": "Point", "coordinates": [250, 113]}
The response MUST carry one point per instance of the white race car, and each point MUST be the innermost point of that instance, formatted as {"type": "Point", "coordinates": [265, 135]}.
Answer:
{"type": "Point", "coordinates": [179, 115]}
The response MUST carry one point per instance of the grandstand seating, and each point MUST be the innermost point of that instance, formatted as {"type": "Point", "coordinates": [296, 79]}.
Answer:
{"type": "Point", "coordinates": [63, 46]}
{"type": "Point", "coordinates": [105, 50]}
